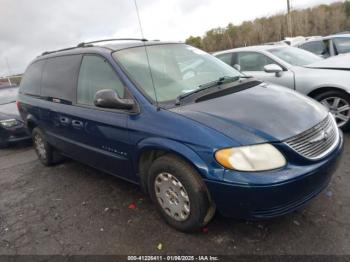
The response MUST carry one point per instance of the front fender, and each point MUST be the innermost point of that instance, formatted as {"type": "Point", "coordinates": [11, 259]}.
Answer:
{"type": "Point", "coordinates": [310, 80]}
{"type": "Point", "coordinates": [180, 149]}
{"type": "Point", "coordinates": [327, 86]}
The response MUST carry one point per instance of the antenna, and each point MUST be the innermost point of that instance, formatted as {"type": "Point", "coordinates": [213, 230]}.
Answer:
{"type": "Point", "coordinates": [139, 19]}
{"type": "Point", "coordinates": [146, 52]}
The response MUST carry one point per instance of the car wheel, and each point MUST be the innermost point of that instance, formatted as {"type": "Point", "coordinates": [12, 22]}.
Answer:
{"type": "Point", "coordinates": [45, 152]}
{"type": "Point", "coordinates": [338, 103]}
{"type": "Point", "coordinates": [179, 194]}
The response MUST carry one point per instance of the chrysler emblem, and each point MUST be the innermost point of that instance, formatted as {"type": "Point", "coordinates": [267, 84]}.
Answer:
{"type": "Point", "coordinates": [322, 137]}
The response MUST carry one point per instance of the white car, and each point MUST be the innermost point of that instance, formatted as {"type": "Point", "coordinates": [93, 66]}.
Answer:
{"type": "Point", "coordinates": [327, 46]}
{"type": "Point", "coordinates": [326, 80]}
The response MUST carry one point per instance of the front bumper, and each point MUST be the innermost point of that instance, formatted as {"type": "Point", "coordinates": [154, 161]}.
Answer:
{"type": "Point", "coordinates": [274, 193]}
{"type": "Point", "coordinates": [14, 134]}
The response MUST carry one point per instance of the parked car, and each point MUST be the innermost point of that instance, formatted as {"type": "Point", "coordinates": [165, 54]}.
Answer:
{"type": "Point", "coordinates": [327, 46]}
{"type": "Point", "coordinates": [193, 132]}
{"type": "Point", "coordinates": [326, 81]}
{"type": "Point", "coordinates": [12, 128]}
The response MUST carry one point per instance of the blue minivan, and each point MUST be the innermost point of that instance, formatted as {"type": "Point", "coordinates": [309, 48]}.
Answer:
{"type": "Point", "coordinates": [194, 133]}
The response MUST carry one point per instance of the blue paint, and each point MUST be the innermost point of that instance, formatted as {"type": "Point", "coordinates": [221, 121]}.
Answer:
{"type": "Point", "coordinates": [113, 140]}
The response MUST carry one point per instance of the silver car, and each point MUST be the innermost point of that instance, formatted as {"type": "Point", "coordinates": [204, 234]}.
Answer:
{"type": "Point", "coordinates": [327, 46]}
{"type": "Point", "coordinates": [326, 80]}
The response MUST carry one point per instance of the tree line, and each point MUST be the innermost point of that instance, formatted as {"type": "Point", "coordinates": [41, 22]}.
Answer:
{"type": "Point", "coordinates": [320, 20]}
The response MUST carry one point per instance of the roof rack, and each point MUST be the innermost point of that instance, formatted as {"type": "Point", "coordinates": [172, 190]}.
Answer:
{"type": "Point", "coordinates": [112, 39]}
{"type": "Point", "coordinates": [60, 50]}
{"type": "Point", "coordinates": [89, 44]}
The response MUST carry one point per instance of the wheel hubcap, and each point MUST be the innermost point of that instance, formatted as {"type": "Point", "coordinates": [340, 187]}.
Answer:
{"type": "Point", "coordinates": [172, 196]}
{"type": "Point", "coordinates": [339, 108]}
{"type": "Point", "coordinates": [40, 146]}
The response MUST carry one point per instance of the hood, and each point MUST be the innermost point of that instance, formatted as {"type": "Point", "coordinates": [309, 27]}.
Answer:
{"type": "Point", "coordinates": [341, 62]}
{"type": "Point", "coordinates": [259, 114]}
{"type": "Point", "coordinates": [9, 110]}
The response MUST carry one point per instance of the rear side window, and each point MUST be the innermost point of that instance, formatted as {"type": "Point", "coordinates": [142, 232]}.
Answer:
{"type": "Point", "coordinates": [31, 81]}
{"type": "Point", "coordinates": [60, 77]}
{"type": "Point", "coordinates": [97, 74]}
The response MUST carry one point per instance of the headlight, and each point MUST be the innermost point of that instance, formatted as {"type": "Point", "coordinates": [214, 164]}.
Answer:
{"type": "Point", "coordinates": [260, 157]}
{"type": "Point", "coordinates": [9, 123]}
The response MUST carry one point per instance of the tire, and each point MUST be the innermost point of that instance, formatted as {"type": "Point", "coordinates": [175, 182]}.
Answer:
{"type": "Point", "coordinates": [326, 99]}
{"type": "Point", "coordinates": [188, 196]}
{"type": "Point", "coordinates": [47, 155]}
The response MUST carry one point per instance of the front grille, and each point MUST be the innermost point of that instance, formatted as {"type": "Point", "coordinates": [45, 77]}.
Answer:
{"type": "Point", "coordinates": [317, 141]}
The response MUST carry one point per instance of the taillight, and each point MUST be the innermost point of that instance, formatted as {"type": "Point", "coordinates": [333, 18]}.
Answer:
{"type": "Point", "coordinates": [18, 105]}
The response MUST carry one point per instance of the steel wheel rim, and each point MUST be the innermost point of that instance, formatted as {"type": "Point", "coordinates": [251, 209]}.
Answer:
{"type": "Point", "coordinates": [172, 196]}
{"type": "Point", "coordinates": [40, 146]}
{"type": "Point", "coordinates": [339, 108]}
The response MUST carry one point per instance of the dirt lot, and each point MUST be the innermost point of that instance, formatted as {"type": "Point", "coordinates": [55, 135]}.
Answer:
{"type": "Point", "coordinates": [73, 209]}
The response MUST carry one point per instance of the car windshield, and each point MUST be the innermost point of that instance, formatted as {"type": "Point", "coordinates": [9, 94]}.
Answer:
{"type": "Point", "coordinates": [8, 95]}
{"type": "Point", "coordinates": [172, 70]}
{"type": "Point", "coordinates": [295, 56]}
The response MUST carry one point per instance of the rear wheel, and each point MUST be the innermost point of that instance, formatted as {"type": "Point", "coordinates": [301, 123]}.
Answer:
{"type": "Point", "coordinates": [179, 194]}
{"type": "Point", "coordinates": [338, 103]}
{"type": "Point", "coordinates": [45, 152]}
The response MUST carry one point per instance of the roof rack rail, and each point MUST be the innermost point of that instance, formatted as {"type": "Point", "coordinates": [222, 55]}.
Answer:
{"type": "Point", "coordinates": [60, 50]}
{"type": "Point", "coordinates": [112, 39]}
{"type": "Point", "coordinates": [89, 44]}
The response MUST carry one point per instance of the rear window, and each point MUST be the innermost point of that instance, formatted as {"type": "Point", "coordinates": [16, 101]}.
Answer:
{"type": "Point", "coordinates": [31, 81]}
{"type": "Point", "coordinates": [60, 77]}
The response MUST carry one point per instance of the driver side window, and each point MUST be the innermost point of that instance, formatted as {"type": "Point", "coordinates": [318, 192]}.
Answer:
{"type": "Point", "coordinates": [252, 61]}
{"type": "Point", "coordinates": [96, 74]}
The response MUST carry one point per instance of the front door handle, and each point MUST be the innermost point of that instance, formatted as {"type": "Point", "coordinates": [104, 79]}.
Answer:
{"type": "Point", "coordinates": [77, 124]}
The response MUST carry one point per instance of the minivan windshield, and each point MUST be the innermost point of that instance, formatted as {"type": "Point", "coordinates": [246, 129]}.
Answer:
{"type": "Point", "coordinates": [295, 56]}
{"type": "Point", "coordinates": [172, 70]}
{"type": "Point", "coordinates": [8, 95]}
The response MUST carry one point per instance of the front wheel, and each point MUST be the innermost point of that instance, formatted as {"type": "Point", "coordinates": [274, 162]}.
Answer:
{"type": "Point", "coordinates": [179, 194]}
{"type": "Point", "coordinates": [338, 103]}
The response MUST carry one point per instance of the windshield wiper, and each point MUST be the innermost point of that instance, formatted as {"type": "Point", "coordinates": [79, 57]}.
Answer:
{"type": "Point", "coordinates": [206, 86]}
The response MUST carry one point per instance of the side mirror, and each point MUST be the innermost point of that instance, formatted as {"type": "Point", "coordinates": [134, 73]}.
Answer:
{"type": "Point", "coordinates": [237, 67]}
{"type": "Point", "coordinates": [273, 68]}
{"type": "Point", "coordinates": [108, 98]}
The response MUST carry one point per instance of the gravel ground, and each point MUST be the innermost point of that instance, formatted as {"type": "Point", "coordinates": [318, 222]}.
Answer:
{"type": "Point", "coordinates": [73, 209]}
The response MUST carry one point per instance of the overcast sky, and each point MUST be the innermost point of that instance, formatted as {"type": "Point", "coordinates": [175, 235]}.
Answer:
{"type": "Point", "coordinates": [29, 27]}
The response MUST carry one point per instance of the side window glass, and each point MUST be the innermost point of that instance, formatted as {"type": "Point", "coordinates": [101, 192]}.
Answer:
{"type": "Point", "coordinates": [316, 47]}
{"type": "Point", "coordinates": [251, 61]}
{"type": "Point", "coordinates": [60, 76]}
{"type": "Point", "coordinates": [227, 58]}
{"type": "Point", "coordinates": [31, 82]}
{"type": "Point", "coordinates": [342, 45]}
{"type": "Point", "coordinates": [96, 74]}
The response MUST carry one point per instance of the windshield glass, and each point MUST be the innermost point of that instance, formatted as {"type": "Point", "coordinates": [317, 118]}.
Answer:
{"type": "Point", "coordinates": [175, 69]}
{"type": "Point", "coordinates": [8, 95]}
{"type": "Point", "coordinates": [295, 56]}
